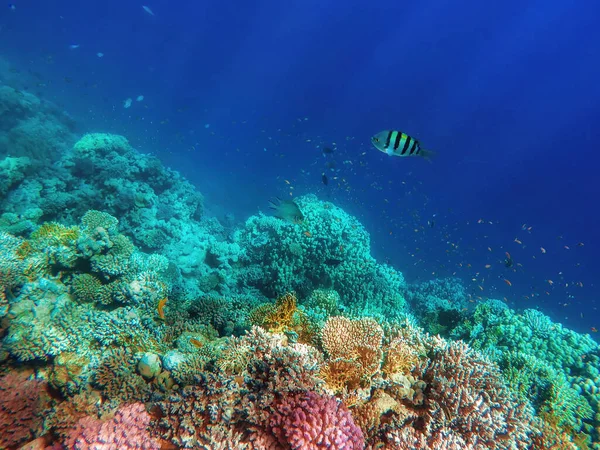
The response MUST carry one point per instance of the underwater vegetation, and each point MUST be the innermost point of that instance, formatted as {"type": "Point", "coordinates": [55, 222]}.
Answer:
{"type": "Point", "coordinates": [129, 318]}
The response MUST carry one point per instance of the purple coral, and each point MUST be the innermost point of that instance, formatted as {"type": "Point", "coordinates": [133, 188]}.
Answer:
{"type": "Point", "coordinates": [127, 430]}
{"type": "Point", "coordinates": [307, 421]}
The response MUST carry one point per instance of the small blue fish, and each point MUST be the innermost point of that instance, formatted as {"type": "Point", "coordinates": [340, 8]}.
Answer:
{"type": "Point", "coordinates": [74, 46]}
{"type": "Point", "coordinates": [148, 10]}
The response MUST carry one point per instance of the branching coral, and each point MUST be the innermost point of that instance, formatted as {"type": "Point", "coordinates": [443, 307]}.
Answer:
{"type": "Point", "coordinates": [466, 394]}
{"type": "Point", "coordinates": [285, 317]}
{"type": "Point", "coordinates": [23, 403]}
{"type": "Point", "coordinates": [351, 344]}
{"type": "Point", "coordinates": [127, 430]}
{"type": "Point", "coordinates": [116, 376]}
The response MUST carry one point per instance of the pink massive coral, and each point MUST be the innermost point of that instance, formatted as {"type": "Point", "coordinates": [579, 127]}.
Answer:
{"type": "Point", "coordinates": [23, 401]}
{"type": "Point", "coordinates": [127, 430]}
{"type": "Point", "coordinates": [309, 421]}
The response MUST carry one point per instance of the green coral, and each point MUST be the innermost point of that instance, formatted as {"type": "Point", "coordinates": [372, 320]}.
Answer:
{"type": "Point", "coordinates": [553, 367]}
{"type": "Point", "coordinates": [329, 250]}
{"type": "Point", "coordinates": [87, 288]}
{"type": "Point", "coordinates": [90, 145]}
{"type": "Point", "coordinates": [12, 171]}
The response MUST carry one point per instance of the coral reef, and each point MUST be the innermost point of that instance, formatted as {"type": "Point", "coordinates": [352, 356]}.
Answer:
{"type": "Point", "coordinates": [131, 319]}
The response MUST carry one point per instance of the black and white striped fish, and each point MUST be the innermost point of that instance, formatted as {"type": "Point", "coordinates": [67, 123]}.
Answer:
{"type": "Point", "coordinates": [396, 143]}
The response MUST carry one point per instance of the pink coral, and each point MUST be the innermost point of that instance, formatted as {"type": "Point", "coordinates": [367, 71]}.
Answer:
{"type": "Point", "coordinates": [308, 421]}
{"type": "Point", "coordinates": [127, 430]}
{"type": "Point", "coordinates": [22, 404]}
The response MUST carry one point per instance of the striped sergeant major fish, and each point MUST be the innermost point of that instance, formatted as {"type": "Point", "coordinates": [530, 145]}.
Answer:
{"type": "Point", "coordinates": [396, 143]}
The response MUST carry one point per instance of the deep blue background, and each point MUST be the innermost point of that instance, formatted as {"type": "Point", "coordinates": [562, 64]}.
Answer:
{"type": "Point", "coordinates": [240, 96]}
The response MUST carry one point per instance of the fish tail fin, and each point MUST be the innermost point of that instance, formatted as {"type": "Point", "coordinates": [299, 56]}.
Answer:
{"type": "Point", "coordinates": [428, 155]}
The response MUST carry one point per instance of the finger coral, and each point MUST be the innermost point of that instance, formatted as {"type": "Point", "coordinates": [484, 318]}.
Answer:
{"type": "Point", "coordinates": [309, 421]}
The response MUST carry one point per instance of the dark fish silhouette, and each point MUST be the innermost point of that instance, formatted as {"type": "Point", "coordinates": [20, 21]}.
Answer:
{"type": "Point", "coordinates": [333, 262]}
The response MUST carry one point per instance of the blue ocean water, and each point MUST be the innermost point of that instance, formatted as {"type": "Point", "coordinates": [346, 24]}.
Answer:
{"type": "Point", "coordinates": [241, 97]}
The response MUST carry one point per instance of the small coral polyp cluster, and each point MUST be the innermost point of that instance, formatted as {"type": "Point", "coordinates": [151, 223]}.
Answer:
{"type": "Point", "coordinates": [130, 319]}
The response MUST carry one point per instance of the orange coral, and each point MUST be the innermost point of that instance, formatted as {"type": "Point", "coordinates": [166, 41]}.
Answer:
{"type": "Point", "coordinates": [343, 337]}
{"type": "Point", "coordinates": [400, 357]}
{"type": "Point", "coordinates": [341, 375]}
{"type": "Point", "coordinates": [354, 350]}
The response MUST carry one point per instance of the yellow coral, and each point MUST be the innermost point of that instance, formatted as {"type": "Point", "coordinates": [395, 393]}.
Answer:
{"type": "Point", "coordinates": [343, 337]}
{"type": "Point", "coordinates": [400, 357]}
{"type": "Point", "coordinates": [275, 318]}
{"type": "Point", "coordinates": [353, 346]}
{"type": "Point", "coordinates": [284, 316]}
{"type": "Point", "coordinates": [24, 250]}
{"type": "Point", "coordinates": [53, 233]}
{"type": "Point", "coordinates": [341, 375]}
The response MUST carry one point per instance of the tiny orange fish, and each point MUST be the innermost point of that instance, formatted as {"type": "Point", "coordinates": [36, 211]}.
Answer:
{"type": "Point", "coordinates": [487, 266]}
{"type": "Point", "coordinates": [507, 282]}
{"type": "Point", "coordinates": [594, 329]}
{"type": "Point", "coordinates": [307, 234]}
{"type": "Point", "coordinates": [196, 343]}
{"type": "Point", "coordinates": [543, 249]}
{"type": "Point", "coordinates": [518, 241]}
{"type": "Point", "coordinates": [161, 308]}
